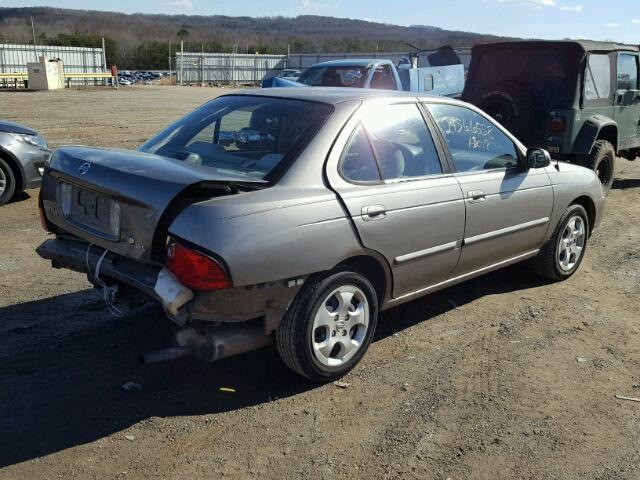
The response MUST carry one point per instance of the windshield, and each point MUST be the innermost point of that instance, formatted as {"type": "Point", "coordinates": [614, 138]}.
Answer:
{"type": "Point", "coordinates": [241, 135]}
{"type": "Point", "coordinates": [344, 76]}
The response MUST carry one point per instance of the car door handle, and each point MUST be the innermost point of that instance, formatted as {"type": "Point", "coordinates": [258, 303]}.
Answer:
{"type": "Point", "coordinates": [373, 212]}
{"type": "Point", "coordinates": [476, 196]}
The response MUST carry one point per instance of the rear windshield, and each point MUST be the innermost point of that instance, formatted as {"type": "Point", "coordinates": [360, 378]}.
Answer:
{"type": "Point", "coordinates": [550, 74]}
{"type": "Point", "coordinates": [346, 76]}
{"type": "Point", "coordinates": [241, 135]}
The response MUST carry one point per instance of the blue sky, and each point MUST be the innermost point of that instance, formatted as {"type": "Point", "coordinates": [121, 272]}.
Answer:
{"type": "Point", "coordinates": [617, 20]}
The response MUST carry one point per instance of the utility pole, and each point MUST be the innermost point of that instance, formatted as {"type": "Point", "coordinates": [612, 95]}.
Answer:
{"type": "Point", "coordinates": [33, 30]}
{"type": "Point", "coordinates": [170, 76]}
{"type": "Point", "coordinates": [202, 67]}
{"type": "Point", "coordinates": [181, 62]}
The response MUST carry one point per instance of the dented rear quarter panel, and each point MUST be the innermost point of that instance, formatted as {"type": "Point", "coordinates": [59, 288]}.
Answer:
{"type": "Point", "coordinates": [285, 233]}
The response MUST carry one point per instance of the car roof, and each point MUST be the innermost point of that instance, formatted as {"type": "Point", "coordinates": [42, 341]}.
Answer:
{"type": "Point", "coordinates": [584, 45]}
{"type": "Point", "coordinates": [351, 62]}
{"type": "Point", "coordinates": [330, 95]}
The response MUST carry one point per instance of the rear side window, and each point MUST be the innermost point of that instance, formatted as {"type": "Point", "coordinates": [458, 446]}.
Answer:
{"type": "Point", "coordinates": [627, 72]}
{"type": "Point", "coordinates": [402, 142]}
{"type": "Point", "coordinates": [597, 82]}
{"type": "Point", "coordinates": [475, 142]}
{"type": "Point", "coordinates": [358, 163]}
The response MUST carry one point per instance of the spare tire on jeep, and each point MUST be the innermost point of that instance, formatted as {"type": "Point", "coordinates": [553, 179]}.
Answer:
{"type": "Point", "coordinates": [512, 105]}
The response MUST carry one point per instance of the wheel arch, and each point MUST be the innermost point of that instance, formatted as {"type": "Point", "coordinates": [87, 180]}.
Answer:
{"type": "Point", "coordinates": [588, 204]}
{"type": "Point", "coordinates": [376, 270]}
{"type": "Point", "coordinates": [596, 127]}
{"type": "Point", "coordinates": [16, 168]}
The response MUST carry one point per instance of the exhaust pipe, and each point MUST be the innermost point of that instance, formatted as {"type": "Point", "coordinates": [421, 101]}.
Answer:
{"type": "Point", "coordinates": [217, 343]}
{"type": "Point", "coordinates": [166, 354]}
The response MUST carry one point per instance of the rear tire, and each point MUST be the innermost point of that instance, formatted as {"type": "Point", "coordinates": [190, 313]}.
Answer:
{"type": "Point", "coordinates": [602, 160]}
{"type": "Point", "coordinates": [329, 325]}
{"type": "Point", "coordinates": [7, 182]}
{"type": "Point", "coordinates": [563, 253]}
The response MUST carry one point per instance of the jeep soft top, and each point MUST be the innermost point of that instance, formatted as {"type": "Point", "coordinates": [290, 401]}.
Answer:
{"type": "Point", "coordinates": [565, 96]}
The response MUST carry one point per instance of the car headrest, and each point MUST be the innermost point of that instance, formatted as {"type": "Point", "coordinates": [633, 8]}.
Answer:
{"type": "Point", "coordinates": [391, 159]}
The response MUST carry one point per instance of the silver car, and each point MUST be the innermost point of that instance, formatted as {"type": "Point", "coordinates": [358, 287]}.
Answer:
{"type": "Point", "coordinates": [296, 215]}
{"type": "Point", "coordinates": [23, 153]}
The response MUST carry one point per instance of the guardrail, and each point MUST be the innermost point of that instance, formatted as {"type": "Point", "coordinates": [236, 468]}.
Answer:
{"type": "Point", "coordinates": [16, 76]}
{"type": "Point", "coordinates": [92, 76]}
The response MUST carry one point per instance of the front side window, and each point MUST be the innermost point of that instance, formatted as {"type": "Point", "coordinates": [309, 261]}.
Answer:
{"type": "Point", "coordinates": [627, 72]}
{"type": "Point", "coordinates": [402, 142]}
{"type": "Point", "coordinates": [242, 135]}
{"type": "Point", "coordinates": [597, 82]}
{"type": "Point", "coordinates": [475, 142]}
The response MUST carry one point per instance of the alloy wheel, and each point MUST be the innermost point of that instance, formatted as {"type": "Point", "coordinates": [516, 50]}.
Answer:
{"type": "Point", "coordinates": [571, 243]}
{"type": "Point", "coordinates": [3, 182]}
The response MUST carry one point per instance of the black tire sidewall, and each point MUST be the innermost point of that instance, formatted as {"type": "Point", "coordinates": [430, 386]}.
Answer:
{"type": "Point", "coordinates": [308, 311]}
{"type": "Point", "coordinates": [11, 182]}
{"type": "Point", "coordinates": [517, 99]}
{"type": "Point", "coordinates": [572, 211]}
{"type": "Point", "coordinates": [611, 157]}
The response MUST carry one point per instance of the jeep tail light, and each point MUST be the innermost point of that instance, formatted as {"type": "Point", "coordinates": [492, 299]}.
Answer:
{"type": "Point", "coordinates": [556, 125]}
{"type": "Point", "coordinates": [194, 269]}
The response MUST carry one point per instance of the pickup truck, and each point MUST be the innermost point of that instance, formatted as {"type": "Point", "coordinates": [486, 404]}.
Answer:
{"type": "Point", "coordinates": [441, 74]}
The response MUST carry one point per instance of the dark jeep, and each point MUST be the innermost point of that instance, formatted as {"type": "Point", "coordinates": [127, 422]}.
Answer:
{"type": "Point", "coordinates": [577, 99]}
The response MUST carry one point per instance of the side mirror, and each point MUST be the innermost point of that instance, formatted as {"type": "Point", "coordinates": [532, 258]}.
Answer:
{"type": "Point", "coordinates": [537, 158]}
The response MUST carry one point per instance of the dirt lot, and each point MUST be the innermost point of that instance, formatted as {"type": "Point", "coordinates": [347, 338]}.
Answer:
{"type": "Point", "coordinates": [480, 381]}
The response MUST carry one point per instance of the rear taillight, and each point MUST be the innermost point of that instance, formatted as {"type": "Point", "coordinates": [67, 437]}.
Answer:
{"type": "Point", "coordinates": [194, 269]}
{"type": "Point", "coordinates": [556, 125]}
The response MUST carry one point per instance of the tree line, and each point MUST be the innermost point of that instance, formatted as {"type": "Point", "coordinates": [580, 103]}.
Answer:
{"type": "Point", "coordinates": [141, 41]}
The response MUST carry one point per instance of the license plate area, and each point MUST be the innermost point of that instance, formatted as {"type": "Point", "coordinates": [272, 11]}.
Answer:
{"type": "Point", "coordinates": [91, 211]}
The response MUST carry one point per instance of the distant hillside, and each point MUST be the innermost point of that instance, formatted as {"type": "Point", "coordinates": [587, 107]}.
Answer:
{"type": "Point", "coordinates": [142, 40]}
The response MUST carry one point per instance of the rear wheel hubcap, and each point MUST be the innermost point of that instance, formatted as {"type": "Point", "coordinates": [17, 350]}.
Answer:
{"type": "Point", "coordinates": [340, 325]}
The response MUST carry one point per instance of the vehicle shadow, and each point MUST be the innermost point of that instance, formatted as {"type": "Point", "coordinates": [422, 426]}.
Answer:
{"type": "Point", "coordinates": [19, 197]}
{"type": "Point", "coordinates": [63, 361]}
{"type": "Point", "coordinates": [625, 183]}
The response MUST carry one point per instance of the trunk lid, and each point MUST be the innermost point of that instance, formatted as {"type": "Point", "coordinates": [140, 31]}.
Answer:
{"type": "Point", "coordinates": [125, 200]}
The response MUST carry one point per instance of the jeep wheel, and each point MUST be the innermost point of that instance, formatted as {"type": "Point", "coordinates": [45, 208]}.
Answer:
{"type": "Point", "coordinates": [329, 326]}
{"type": "Point", "coordinates": [562, 254]}
{"type": "Point", "coordinates": [7, 182]}
{"type": "Point", "coordinates": [511, 105]}
{"type": "Point", "coordinates": [602, 160]}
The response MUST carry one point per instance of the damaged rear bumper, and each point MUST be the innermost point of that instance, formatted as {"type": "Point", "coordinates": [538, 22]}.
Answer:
{"type": "Point", "coordinates": [268, 301]}
{"type": "Point", "coordinates": [154, 281]}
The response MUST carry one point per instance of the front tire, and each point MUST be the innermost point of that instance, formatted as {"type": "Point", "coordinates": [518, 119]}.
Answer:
{"type": "Point", "coordinates": [329, 325]}
{"type": "Point", "coordinates": [563, 253]}
{"type": "Point", "coordinates": [7, 182]}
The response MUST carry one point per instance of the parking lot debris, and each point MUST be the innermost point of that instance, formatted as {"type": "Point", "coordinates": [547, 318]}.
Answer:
{"type": "Point", "coordinates": [631, 399]}
{"type": "Point", "coordinates": [340, 384]}
{"type": "Point", "coordinates": [581, 360]}
{"type": "Point", "coordinates": [227, 390]}
{"type": "Point", "coordinates": [131, 438]}
{"type": "Point", "coordinates": [128, 386]}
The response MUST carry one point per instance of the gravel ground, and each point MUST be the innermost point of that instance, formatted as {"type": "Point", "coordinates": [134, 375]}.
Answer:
{"type": "Point", "coordinates": [504, 376]}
